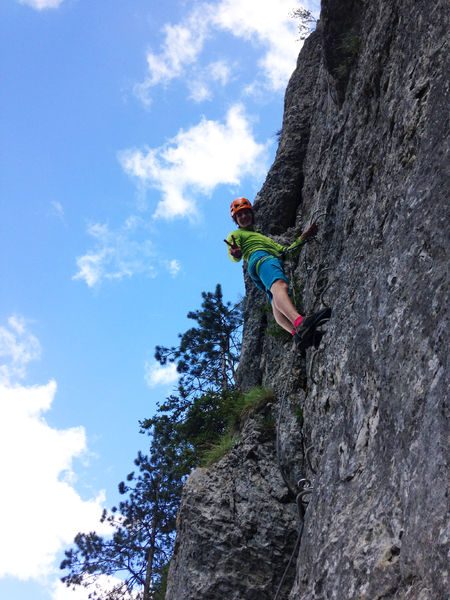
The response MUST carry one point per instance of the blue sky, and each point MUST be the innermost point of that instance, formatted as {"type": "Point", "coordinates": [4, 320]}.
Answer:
{"type": "Point", "coordinates": [127, 128]}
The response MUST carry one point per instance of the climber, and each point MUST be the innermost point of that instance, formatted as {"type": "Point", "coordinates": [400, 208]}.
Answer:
{"type": "Point", "coordinates": [263, 256]}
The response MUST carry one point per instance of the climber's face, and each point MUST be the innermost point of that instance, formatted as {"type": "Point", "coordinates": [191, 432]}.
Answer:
{"type": "Point", "coordinates": [244, 217]}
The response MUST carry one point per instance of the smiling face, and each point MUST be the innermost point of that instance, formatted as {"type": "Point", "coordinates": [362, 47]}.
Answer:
{"type": "Point", "coordinates": [244, 217]}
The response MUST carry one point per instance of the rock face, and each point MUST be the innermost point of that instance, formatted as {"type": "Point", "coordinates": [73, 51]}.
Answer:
{"type": "Point", "coordinates": [236, 523]}
{"type": "Point", "coordinates": [364, 150]}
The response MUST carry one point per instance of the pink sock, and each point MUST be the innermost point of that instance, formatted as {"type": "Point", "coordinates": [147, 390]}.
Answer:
{"type": "Point", "coordinates": [297, 323]}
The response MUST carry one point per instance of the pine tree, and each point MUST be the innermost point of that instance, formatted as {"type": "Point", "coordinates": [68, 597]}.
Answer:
{"type": "Point", "coordinates": [206, 359]}
{"type": "Point", "coordinates": [208, 353]}
{"type": "Point", "coordinates": [143, 527]}
{"type": "Point", "coordinates": [143, 524]}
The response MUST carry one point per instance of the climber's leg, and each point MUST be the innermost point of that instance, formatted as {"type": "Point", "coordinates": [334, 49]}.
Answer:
{"type": "Point", "coordinates": [281, 319]}
{"type": "Point", "coordinates": [275, 282]}
{"type": "Point", "coordinates": [283, 304]}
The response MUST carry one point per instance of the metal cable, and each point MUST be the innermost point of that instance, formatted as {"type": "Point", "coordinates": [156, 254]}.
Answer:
{"type": "Point", "coordinates": [308, 459]}
{"type": "Point", "coordinates": [304, 485]}
{"type": "Point", "coordinates": [278, 438]}
{"type": "Point", "coordinates": [311, 366]}
{"type": "Point", "coordinates": [305, 489]}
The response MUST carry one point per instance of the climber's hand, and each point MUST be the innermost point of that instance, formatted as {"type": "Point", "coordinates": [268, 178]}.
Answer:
{"type": "Point", "coordinates": [310, 232]}
{"type": "Point", "coordinates": [235, 251]}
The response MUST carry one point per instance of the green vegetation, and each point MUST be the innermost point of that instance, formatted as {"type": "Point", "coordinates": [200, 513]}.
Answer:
{"type": "Point", "coordinates": [298, 411]}
{"type": "Point", "coordinates": [306, 22]}
{"type": "Point", "coordinates": [240, 407]}
{"type": "Point", "coordinates": [348, 51]}
{"type": "Point", "coordinates": [197, 425]}
{"type": "Point", "coordinates": [160, 592]}
{"type": "Point", "coordinates": [269, 425]}
{"type": "Point", "coordinates": [252, 401]}
{"type": "Point", "coordinates": [218, 450]}
{"type": "Point", "coordinates": [350, 44]}
{"type": "Point", "coordinates": [142, 524]}
{"type": "Point", "coordinates": [203, 413]}
{"type": "Point", "coordinates": [277, 332]}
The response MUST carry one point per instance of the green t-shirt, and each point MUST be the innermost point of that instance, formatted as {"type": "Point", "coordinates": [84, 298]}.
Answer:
{"type": "Point", "coordinates": [250, 241]}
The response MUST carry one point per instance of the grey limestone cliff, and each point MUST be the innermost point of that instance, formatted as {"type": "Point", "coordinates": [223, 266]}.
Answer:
{"type": "Point", "coordinates": [364, 150]}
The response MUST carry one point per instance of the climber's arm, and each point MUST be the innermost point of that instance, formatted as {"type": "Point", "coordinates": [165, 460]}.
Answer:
{"type": "Point", "coordinates": [305, 236]}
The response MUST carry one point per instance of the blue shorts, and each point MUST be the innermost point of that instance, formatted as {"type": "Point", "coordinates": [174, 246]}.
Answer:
{"type": "Point", "coordinates": [270, 270]}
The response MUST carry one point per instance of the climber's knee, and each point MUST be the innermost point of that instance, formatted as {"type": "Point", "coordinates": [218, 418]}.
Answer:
{"type": "Point", "coordinates": [279, 286]}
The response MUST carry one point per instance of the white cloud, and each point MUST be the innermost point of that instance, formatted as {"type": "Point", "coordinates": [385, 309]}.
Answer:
{"type": "Point", "coordinates": [156, 374]}
{"type": "Point", "coordinates": [122, 253]}
{"type": "Point", "coordinates": [41, 4]}
{"type": "Point", "coordinates": [38, 498]}
{"type": "Point", "coordinates": [116, 255]}
{"type": "Point", "coordinates": [219, 71]}
{"type": "Point", "coordinates": [18, 347]}
{"type": "Point", "coordinates": [199, 91]}
{"type": "Point", "coordinates": [198, 160]}
{"type": "Point", "coordinates": [200, 85]}
{"type": "Point", "coordinates": [62, 592]}
{"type": "Point", "coordinates": [181, 47]}
{"type": "Point", "coordinates": [173, 266]}
{"type": "Point", "coordinates": [267, 24]}
{"type": "Point", "coordinates": [100, 584]}
{"type": "Point", "coordinates": [58, 210]}
{"type": "Point", "coordinates": [38, 503]}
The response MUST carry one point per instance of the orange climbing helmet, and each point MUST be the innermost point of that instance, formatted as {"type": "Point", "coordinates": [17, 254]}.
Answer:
{"type": "Point", "coordinates": [238, 205]}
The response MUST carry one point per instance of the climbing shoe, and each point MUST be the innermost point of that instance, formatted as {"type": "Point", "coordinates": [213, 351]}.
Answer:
{"type": "Point", "coordinates": [304, 336]}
